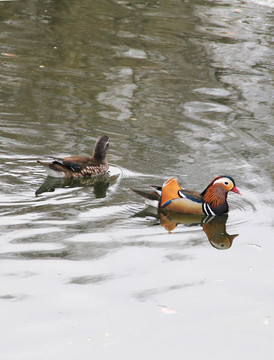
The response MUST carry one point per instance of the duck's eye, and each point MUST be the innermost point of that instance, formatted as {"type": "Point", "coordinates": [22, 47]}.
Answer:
{"type": "Point", "coordinates": [226, 182]}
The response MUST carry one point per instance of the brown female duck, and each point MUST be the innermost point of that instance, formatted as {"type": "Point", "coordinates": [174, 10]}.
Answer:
{"type": "Point", "coordinates": [81, 166]}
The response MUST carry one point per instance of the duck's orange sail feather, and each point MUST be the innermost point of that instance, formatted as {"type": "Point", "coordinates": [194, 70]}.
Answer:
{"type": "Point", "coordinates": [169, 191]}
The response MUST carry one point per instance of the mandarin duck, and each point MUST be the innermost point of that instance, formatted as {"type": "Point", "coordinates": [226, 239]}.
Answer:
{"type": "Point", "coordinates": [212, 201]}
{"type": "Point", "coordinates": [80, 166]}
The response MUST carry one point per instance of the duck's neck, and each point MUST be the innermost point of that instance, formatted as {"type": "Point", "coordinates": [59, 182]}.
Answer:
{"type": "Point", "coordinates": [100, 157]}
{"type": "Point", "coordinates": [99, 154]}
{"type": "Point", "coordinates": [216, 198]}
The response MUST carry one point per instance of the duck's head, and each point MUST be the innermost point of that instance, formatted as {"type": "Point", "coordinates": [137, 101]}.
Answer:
{"type": "Point", "coordinates": [216, 193]}
{"type": "Point", "coordinates": [227, 183]}
{"type": "Point", "coordinates": [222, 184]}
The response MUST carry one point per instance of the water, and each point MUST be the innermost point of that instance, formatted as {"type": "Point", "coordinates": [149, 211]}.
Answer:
{"type": "Point", "coordinates": [183, 89]}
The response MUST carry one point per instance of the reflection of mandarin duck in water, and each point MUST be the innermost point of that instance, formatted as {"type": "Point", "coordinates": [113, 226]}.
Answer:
{"type": "Point", "coordinates": [213, 226]}
{"type": "Point", "coordinates": [80, 166]}
{"type": "Point", "coordinates": [212, 201]}
{"type": "Point", "coordinates": [215, 229]}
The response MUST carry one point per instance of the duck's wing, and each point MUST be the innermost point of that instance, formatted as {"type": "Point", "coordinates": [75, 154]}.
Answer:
{"type": "Point", "coordinates": [77, 166]}
{"type": "Point", "coordinates": [191, 195]}
{"type": "Point", "coordinates": [176, 199]}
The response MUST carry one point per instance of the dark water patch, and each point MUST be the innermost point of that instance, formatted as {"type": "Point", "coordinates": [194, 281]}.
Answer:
{"type": "Point", "coordinates": [145, 295]}
{"type": "Point", "coordinates": [13, 298]}
{"type": "Point", "coordinates": [85, 280]}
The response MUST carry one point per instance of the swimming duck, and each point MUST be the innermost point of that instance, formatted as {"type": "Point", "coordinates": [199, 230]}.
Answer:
{"type": "Point", "coordinates": [212, 201]}
{"type": "Point", "coordinates": [80, 166]}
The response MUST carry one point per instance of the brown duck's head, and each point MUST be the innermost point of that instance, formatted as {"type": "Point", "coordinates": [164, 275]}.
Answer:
{"type": "Point", "coordinates": [101, 147]}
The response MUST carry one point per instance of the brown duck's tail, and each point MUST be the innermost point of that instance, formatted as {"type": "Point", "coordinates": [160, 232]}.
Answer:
{"type": "Point", "coordinates": [55, 169]}
{"type": "Point", "coordinates": [44, 163]}
{"type": "Point", "coordinates": [151, 195]}
{"type": "Point", "coordinates": [52, 165]}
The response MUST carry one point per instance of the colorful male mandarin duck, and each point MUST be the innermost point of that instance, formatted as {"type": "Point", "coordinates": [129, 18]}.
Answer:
{"type": "Point", "coordinates": [212, 201]}
{"type": "Point", "coordinates": [80, 166]}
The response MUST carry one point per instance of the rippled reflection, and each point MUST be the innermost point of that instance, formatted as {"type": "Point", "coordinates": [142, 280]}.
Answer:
{"type": "Point", "coordinates": [99, 184]}
{"type": "Point", "coordinates": [213, 226]}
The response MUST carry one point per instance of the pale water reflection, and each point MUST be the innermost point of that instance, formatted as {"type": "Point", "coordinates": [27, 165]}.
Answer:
{"type": "Point", "coordinates": [183, 89]}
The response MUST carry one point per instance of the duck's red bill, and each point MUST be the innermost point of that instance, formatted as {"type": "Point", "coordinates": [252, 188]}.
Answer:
{"type": "Point", "coordinates": [235, 190]}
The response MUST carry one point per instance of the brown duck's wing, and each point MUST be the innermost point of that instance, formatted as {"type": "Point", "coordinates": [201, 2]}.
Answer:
{"type": "Point", "coordinates": [78, 163]}
{"type": "Point", "coordinates": [82, 165]}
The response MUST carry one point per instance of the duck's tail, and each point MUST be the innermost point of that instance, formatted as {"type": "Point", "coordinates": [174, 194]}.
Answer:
{"type": "Point", "coordinates": [53, 169]}
{"type": "Point", "coordinates": [151, 195]}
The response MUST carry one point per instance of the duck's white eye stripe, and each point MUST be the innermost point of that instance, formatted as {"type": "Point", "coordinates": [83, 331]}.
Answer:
{"type": "Point", "coordinates": [225, 181]}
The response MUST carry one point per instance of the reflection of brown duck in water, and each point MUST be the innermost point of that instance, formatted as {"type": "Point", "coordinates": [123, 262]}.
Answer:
{"type": "Point", "coordinates": [80, 166]}
{"type": "Point", "coordinates": [213, 226]}
{"type": "Point", "coordinates": [212, 201]}
{"type": "Point", "coordinates": [100, 184]}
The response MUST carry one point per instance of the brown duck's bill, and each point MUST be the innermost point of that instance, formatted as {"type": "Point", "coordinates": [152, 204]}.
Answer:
{"type": "Point", "coordinates": [235, 190]}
